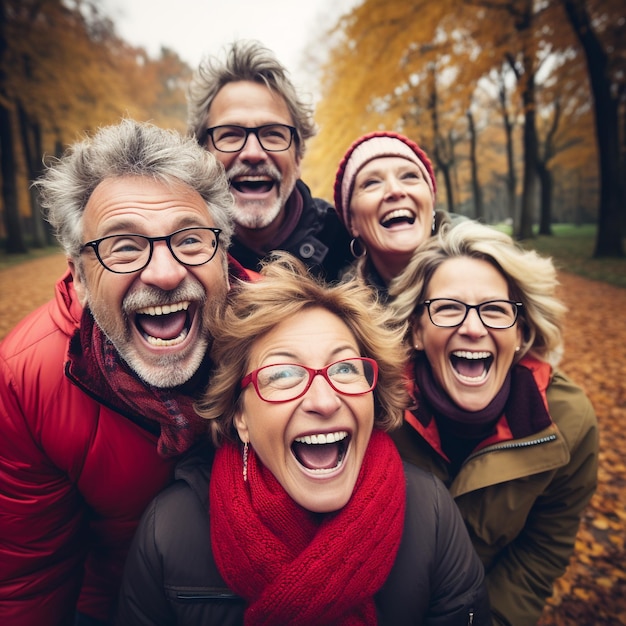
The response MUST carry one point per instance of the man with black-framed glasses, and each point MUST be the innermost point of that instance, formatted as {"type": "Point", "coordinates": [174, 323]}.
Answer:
{"type": "Point", "coordinates": [245, 110]}
{"type": "Point", "coordinates": [97, 386]}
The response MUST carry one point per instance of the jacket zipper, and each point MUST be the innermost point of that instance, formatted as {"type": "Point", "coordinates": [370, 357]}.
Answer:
{"type": "Point", "coordinates": [512, 445]}
{"type": "Point", "coordinates": [216, 595]}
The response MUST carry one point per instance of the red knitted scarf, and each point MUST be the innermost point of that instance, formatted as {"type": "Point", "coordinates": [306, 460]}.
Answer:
{"type": "Point", "coordinates": [293, 566]}
{"type": "Point", "coordinates": [95, 365]}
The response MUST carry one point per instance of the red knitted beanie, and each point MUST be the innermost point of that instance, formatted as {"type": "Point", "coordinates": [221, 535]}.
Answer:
{"type": "Point", "coordinates": [371, 146]}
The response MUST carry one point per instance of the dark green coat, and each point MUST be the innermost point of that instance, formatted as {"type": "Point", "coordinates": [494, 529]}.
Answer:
{"type": "Point", "coordinates": [522, 500]}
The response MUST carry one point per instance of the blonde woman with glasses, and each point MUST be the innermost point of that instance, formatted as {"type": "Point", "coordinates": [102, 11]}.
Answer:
{"type": "Point", "coordinates": [514, 440]}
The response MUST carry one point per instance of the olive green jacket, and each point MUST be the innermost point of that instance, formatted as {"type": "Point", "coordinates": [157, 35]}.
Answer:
{"type": "Point", "coordinates": [522, 500]}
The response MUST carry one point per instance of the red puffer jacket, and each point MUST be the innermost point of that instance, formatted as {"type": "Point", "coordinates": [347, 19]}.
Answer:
{"type": "Point", "coordinates": [75, 478]}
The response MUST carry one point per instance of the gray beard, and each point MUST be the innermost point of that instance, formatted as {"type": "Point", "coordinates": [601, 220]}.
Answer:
{"type": "Point", "coordinates": [170, 370]}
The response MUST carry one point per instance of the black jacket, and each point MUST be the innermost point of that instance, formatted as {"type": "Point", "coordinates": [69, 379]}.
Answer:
{"type": "Point", "coordinates": [171, 577]}
{"type": "Point", "coordinates": [319, 240]}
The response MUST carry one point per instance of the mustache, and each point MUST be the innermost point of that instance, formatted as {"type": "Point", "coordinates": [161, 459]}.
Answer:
{"type": "Point", "coordinates": [263, 169]}
{"type": "Point", "coordinates": [152, 296]}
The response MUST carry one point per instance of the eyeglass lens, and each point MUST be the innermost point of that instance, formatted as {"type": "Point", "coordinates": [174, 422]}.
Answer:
{"type": "Point", "coordinates": [131, 253]}
{"type": "Point", "coordinates": [493, 314]}
{"type": "Point", "coordinates": [283, 382]}
{"type": "Point", "coordinates": [272, 137]}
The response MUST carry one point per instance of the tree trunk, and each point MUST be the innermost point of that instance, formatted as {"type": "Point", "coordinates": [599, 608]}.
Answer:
{"type": "Point", "coordinates": [15, 237]}
{"type": "Point", "coordinates": [444, 168]}
{"type": "Point", "coordinates": [609, 238]}
{"type": "Point", "coordinates": [545, 219]}
{"type": "Point", "coordinates": [479, 212]}
{"type": "Point", "coordinates": [443, 159]}
{"type": "Point", "coordinates": [31, 142]}
{"type": "Point", "coordinates": [530, 160]}
{"type": "Point", "coordinates": [15, 243]}
{"type": "Point", "coordinates": [511, 177]}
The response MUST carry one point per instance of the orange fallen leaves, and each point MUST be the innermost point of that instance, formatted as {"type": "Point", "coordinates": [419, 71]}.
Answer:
{"type": "Point", "coordinates": [593, 590]}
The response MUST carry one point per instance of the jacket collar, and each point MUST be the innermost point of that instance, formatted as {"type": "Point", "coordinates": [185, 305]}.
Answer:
{"type": "Point", "coordinates": [497, 459]}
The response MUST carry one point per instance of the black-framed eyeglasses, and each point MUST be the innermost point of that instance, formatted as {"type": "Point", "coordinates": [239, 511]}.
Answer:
{"type": "Point", "coordinates": [232, 138]}
{"type": "Point", "coordinates": [449, 313]}
{"type": "Point", "coordinates": [128, 253]}
{"type": "Point", "coordinates": [282, 382]}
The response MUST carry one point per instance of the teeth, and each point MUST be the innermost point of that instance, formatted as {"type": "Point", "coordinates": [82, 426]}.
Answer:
{"type": "Point", "coordinates": [397, 214]}
{"type": "Point", "coordinates": [252, 179]}
{"type": "Point", "coordinates": [157, 341]}
{"type": "Point", "coordinates": [473, 379]}
{"type": "Point", "coordinates": [166, 309]}
{"type": "Point", "coordinates": [462, 354]}
{"type": "Point", "coordinates": [323, 438]}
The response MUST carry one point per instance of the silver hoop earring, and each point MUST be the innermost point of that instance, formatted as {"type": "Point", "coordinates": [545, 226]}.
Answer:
{"type": "Point", "coordinates": [245, 461]}
{"type": "Point", "coordinates": [353, 248]}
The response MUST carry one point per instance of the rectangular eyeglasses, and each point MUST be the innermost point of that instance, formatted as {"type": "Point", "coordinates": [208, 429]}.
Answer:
{"type": "Point", "coordinates": [128, 253]}
{"type": "Point", "coordinates": [450, 313]}
{"type": "Point", "coordinates": [233, 138]}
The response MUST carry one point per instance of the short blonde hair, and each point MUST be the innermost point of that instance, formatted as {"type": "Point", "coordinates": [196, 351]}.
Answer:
{"type": "Point", "coordinates": [285, 289]}
{"type": "Point", "coordinates": [531, 279]}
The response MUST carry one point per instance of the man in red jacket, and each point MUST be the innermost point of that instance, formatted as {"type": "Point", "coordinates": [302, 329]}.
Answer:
{"type": "Point", "coordinates": [97, 386]}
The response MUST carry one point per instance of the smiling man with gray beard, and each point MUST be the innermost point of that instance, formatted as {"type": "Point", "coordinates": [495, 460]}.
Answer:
{"type": "Point", "coordinates": [245, 110]}
{"type": "Point", "coordinates": [97, 386]}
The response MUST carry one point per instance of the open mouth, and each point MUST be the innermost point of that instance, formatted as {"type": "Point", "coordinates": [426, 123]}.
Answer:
{"type": "Point", "coordinates": [323, 452]}
{"type": "Point", "coordinates": [471, 366]}
{"type": "Point", "coordinates": [252, 184]}
{"type": "Point", "coordinates": [166, 325]}
{"type": "Point", "coordinates": [399, 216]}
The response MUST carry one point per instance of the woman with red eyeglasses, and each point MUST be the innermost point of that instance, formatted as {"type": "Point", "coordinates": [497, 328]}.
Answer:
{"type": "Point", "coordinates": [302, 511]}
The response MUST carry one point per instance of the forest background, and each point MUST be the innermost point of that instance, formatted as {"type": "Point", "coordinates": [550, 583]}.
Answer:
{"type": "Point", "coordinates": [521, 104]}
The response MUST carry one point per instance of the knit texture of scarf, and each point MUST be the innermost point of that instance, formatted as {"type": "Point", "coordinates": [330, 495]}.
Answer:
{"type": "Point", "coordinates": [97, 366]}
{"type": "Point", "coordinates": [296, 567]}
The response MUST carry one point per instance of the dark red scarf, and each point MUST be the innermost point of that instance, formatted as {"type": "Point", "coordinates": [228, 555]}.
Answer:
{"type": "Point", "coordinates": [518, 410]}
{"type": "Point", "coordinates": [96, 366]}
{"type": "Point", "coordinates": [296, 567]}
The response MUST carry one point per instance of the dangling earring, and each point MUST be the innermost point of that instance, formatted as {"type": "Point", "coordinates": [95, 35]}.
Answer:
{"type": "Point", "coordinates": [434, 220]}
{"type": "Point", "coordinates": [355, 253]}
{"type": "Point", "coordinates": [245, 461]}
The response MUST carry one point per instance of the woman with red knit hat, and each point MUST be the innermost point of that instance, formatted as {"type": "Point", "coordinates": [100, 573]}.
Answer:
{"type": "Point", "coordinates": [305, 514]}
{"type": "Point", "coordinates": [385, 193]}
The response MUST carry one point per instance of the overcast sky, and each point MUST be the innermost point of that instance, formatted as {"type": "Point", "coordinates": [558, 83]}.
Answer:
{"type": "Point", "coordinates": [194, 28]}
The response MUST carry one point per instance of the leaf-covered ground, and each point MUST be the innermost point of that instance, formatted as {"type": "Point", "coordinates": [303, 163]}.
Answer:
{"type": "Point", "coordinates": [593, 590]}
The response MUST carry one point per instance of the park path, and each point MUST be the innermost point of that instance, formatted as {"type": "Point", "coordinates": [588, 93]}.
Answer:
{"type": "Point", "coordinates": [25, 286]}
{"type": "Point", "coordinates": [593, 591]}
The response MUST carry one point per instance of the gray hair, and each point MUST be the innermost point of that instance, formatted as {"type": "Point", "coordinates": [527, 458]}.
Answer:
{"type": "Point", "coordinates": [245, 61]}
{"type": "Point", "coordinates": [130, 148]}
{"type": "Point", "coordinates": [531, 278]}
